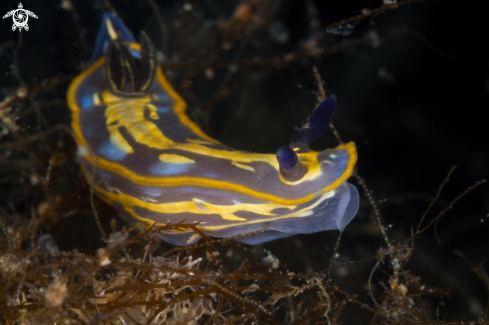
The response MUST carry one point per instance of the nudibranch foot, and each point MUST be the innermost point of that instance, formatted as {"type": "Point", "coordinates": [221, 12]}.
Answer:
{"type": "Point", "coordinates": [332, 214]}
{"type": "Point", "coordinates": [154, 164]}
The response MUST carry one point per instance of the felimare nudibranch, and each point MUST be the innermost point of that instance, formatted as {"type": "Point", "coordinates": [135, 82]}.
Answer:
{"type": "Point", "coordinates": [154, 164]}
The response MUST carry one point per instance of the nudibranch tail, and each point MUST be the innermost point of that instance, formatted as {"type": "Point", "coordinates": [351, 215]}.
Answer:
{"type": "Point", "coordinates": [110, 24]}
{"type": "Point", "coordinates": [154, 164]}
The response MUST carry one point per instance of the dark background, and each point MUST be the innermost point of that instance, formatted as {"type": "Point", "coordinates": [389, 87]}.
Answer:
{"type": "Point", "coordinates": [429, 113]}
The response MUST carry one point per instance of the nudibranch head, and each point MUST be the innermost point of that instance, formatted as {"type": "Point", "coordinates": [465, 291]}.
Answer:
{"type": "Point", "coordinates": [154, 164]}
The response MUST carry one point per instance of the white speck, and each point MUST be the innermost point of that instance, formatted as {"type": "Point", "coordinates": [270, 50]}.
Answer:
{"type": "Point", "coordinates": [83, 151]}
{"type": "Point", "coordinates": [67, 5]}
{"type": "Point", "coordinates": [271, 260]}
{"type": "Point", "coordinates": [209, 73]}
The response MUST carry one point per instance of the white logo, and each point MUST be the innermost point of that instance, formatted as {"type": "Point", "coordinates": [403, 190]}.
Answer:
{"type": "Point", "coordinates": [20, 17]}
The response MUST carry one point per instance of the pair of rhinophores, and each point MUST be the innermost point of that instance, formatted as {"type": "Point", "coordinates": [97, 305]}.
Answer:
{"type": "Point", "coordinates": [154, 164]}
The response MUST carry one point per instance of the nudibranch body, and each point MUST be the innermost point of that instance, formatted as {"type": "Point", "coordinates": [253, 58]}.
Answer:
{"type": "Point", "coordinates": [154, 164]}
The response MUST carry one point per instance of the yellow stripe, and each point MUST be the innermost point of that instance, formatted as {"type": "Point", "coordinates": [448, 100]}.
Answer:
{"type": "Point", "coordinates": [243, 166]}
{"type": "Point", "coordinates": [217, 184]}
{"type": "Point", "coordinates": [175, 159]}
{"type": "Point", "coordinates": [110, 29]}
{"type": "Point", "coordinates": [129, 202]}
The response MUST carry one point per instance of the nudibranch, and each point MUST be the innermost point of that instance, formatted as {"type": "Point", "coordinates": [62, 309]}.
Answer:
{"type": "Point", "coordinates": [152, 163]}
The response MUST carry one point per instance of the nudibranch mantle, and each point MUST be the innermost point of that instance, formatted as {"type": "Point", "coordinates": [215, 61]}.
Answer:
{"type": "Point", "coordinates": [154, 164]}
